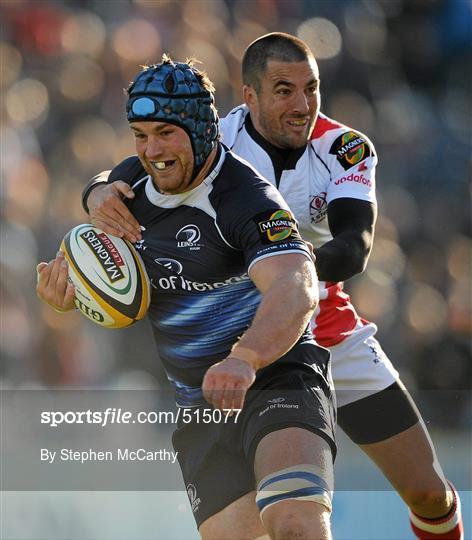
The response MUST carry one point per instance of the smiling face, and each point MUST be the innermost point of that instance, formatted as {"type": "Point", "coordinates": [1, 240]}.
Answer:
{"type": "Point", "coordinates": [285, 109]}
{"type": "Point", "coordinates": [166, 154]}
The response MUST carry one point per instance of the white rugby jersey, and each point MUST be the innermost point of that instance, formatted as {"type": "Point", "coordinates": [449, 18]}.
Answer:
{"type": "Point", "coordinates": [337, 163]}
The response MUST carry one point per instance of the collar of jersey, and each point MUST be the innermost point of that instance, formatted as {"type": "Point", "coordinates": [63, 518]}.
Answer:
{"type": "Point", "coordinates": [172, 201]}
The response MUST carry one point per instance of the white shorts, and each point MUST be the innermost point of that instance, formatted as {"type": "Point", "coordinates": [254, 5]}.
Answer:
{"type": "Point", "coordinates": [359, 366]}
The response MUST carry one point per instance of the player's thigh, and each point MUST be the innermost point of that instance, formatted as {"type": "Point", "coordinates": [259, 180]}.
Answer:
{"type": "Point", "coordinates": [379, 416]}
{"type": "Point", "coordinates": [293, 446]}
{"type": "Point", "coordinates": [214, 467]}
{"type": "Point", "coordinates": [238, 521]}
{"type": "Point", "coordinates": [289, 437]}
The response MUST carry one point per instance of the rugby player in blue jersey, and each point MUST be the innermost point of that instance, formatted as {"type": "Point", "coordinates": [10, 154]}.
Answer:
{"type": "Point", "coordinates": [326, 173]}
{"type": "Point", "coordinates": [234, 288]}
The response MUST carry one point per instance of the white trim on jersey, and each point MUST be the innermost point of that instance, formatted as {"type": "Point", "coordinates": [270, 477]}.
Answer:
{"type": "Point", "coordinates": [300, 251]}
{"type": "Point", "coordinates": [136, 184]}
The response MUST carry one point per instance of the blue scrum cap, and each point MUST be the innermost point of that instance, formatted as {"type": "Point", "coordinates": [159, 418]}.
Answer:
{"type": "Point", "coordinates": [171, 92]}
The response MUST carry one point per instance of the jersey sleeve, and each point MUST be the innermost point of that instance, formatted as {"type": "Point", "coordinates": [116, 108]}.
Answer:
{"type": "Point", "coordinates": [257, 220]}
{"type": "Point", "coordinates": [351, 159]}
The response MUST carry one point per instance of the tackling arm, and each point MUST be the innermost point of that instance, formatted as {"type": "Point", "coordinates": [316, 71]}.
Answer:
{"type": "Point", "coordinates": [103, 199]}
{"type": "Point", "coordinates": [351, 222]}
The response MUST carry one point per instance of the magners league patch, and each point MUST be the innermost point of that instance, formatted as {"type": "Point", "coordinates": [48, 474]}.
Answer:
{"type": "Point", "coordinates": [350, 148]}
{"type": "Point", "coordinates": [276, 226]}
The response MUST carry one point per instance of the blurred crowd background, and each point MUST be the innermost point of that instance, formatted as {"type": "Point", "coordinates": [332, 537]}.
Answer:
{"type": "Point", "coordinates": [398, 70]}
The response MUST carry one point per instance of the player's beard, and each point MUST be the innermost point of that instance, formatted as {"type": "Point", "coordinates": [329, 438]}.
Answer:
{"type": "Point", "coordinates": [283, 139]}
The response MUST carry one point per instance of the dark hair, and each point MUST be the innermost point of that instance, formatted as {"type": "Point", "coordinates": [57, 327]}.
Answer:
{"type": "Point", "coordinates": [273, 46]}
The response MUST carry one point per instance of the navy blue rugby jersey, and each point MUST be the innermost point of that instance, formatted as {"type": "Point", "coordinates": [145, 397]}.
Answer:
{"type": "Point", "coordinates": [198, 247]}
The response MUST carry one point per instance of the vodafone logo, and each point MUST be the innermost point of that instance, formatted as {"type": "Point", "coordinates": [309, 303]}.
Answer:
{"type": "Point", "coordinates": [356, 178]}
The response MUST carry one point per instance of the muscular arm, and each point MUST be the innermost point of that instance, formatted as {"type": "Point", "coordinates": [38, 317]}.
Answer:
{"type": "Point", "coordinates": [351, 222]}
{"type": "Point", "coordinates": [288, 284]}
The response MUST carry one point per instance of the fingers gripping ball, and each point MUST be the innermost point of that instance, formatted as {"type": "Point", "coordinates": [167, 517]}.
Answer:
{"type": "Point", "coordinates": [111, 285]}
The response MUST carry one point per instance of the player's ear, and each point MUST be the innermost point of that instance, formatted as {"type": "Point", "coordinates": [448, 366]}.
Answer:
{"type": "Point", "coordinates": [249, 96]}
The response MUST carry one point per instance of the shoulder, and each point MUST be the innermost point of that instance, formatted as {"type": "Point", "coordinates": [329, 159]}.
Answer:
{"type": "Point", "coordinates": [250, 213]}
{"type": "Point", "coordinates": [129, 170]}
{"type": "Point", "coordinates": [337, 143]}
{"type": "Point", "coordinates": [325, 127]}
{"type": "Point", "coordinates": [232, 124]}
{"type": "Point", "coordinates": [239, 193]}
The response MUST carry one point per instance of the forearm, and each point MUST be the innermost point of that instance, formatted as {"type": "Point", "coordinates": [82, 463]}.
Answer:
{"type": "Point", "coordinates": [342, 258]}
{"type": "Point", "coordinates": [282, 316]}
{"type": "Point", "coordinates": [351, 222]}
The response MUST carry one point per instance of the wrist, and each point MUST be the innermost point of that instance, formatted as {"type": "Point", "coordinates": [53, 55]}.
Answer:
{"type": "Point", "coordinates": [64, 310]}
{"type": "Point", "coordinates": [248, 356]}
{"type": "Point", "coordinates": [87, 191]}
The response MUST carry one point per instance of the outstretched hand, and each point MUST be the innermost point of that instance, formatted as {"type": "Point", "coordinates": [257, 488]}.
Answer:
{"type": "Point", "coordinates": [225, 384]}
{"type": "Point", "coordinates": [108, 211]}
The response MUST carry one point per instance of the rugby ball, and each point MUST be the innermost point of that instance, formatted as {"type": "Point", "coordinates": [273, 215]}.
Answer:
{"type": "Point", "coordinates": [111, 284]}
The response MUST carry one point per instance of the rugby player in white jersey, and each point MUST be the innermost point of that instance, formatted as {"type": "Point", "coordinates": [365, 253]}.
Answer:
{"type": "Point", "coordinates": [326, 173]}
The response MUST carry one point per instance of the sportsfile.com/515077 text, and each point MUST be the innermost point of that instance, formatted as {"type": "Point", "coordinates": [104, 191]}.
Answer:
{"type": "Point", "coordinates": [113, 415]}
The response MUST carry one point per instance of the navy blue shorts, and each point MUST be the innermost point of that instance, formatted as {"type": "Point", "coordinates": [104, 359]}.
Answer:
{"type": "Point", "coordinates": [217, 458]}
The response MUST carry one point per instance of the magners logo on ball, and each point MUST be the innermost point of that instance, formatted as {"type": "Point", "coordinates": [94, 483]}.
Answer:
{"type": "Point", "coordinates": [107, 254]}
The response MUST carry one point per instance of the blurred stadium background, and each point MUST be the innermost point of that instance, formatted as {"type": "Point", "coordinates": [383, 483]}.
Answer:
{"type": "Point", "coordinates": [399, 70]}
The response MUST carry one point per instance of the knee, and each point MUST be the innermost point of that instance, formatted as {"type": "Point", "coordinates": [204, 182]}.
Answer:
{"type": "Point", "coordinates": [294, 521]}
{"type": "Point", "coordinates": [298, 531]}
{"type": "Point", "coordinates": [429, 503]}
{"type": "Point", "coordinates": [291, 530]}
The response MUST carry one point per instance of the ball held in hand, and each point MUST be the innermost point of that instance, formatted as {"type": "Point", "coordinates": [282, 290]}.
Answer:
{"type": "Point", "coordinates": [111, 284]}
